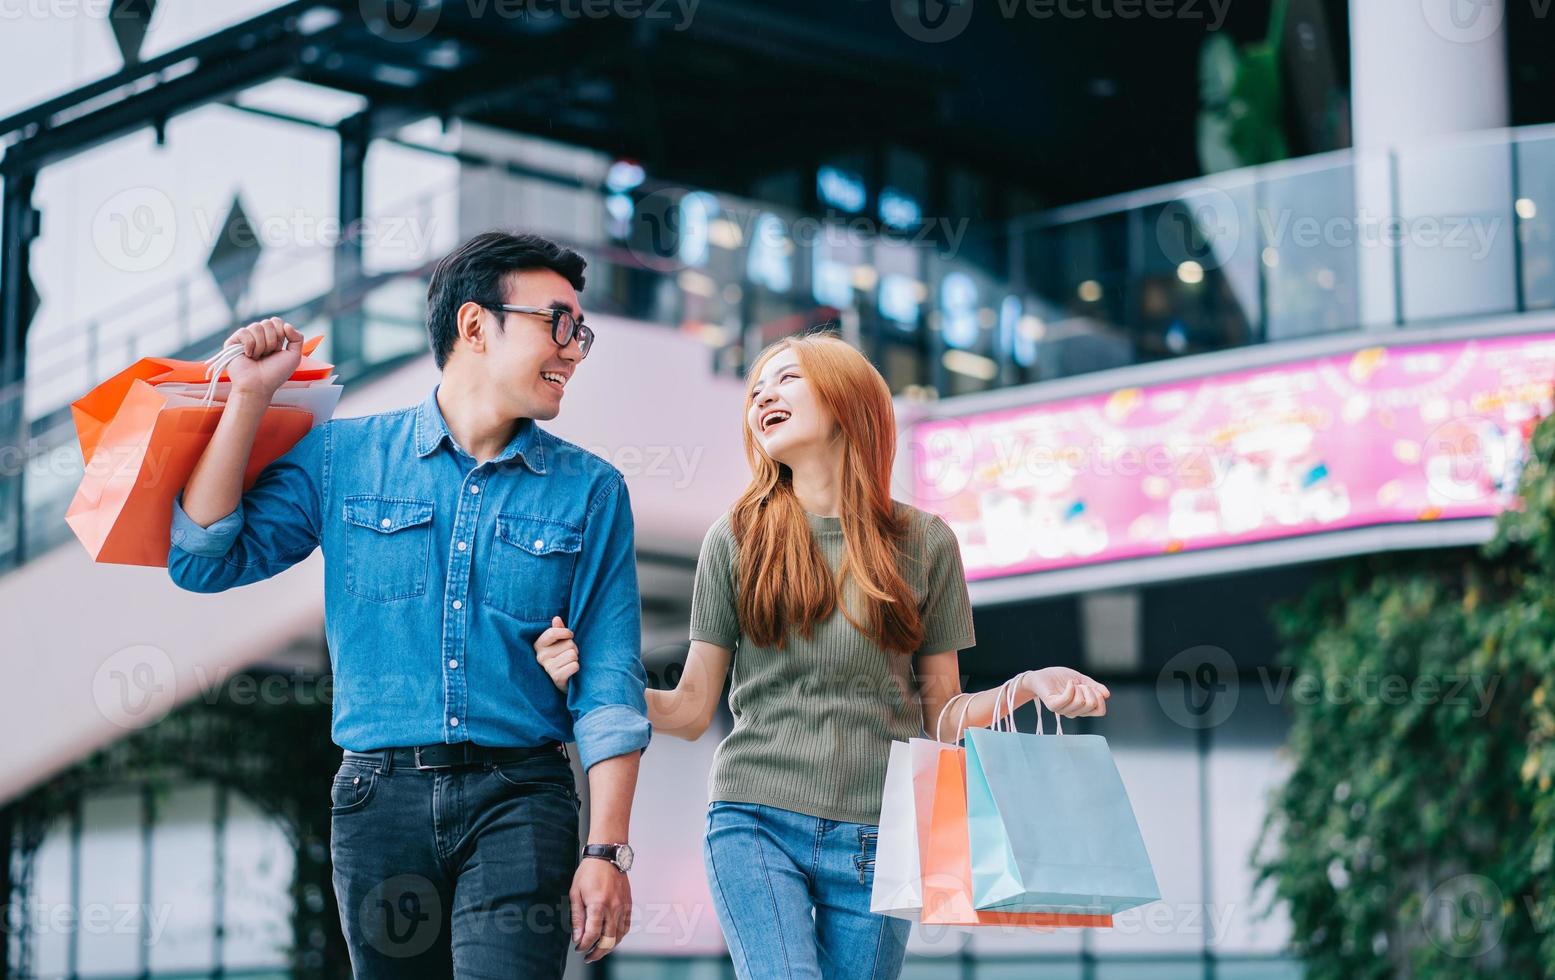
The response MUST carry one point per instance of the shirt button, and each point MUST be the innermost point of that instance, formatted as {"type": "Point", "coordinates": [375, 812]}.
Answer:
{"type": "Point", "coordinates": [539, 543]}
{"type": "Point", "coordinates": [458, 604]}
{"type": "Point", "coordinates": [454, 722]}
{"type": "Point", "coordinates": [453, 665]}
{"type": "Point", "coordinates": [462, 546]}
{"type": "Point", "coordinates": [474, 488]}
{"type": "Point", "coordinates": [385, 522]}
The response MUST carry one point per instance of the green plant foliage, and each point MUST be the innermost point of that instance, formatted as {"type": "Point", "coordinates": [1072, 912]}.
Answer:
{"type": "Point", "coordinates": [1414, 836]}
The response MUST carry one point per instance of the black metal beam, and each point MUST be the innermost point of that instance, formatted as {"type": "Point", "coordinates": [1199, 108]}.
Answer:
{"type": "Point", "coordinates": [18, 227]}
{"type": "Point", "coordinates": [238, 37]}
{"type": "Point", "coordinates": [19, 222]}
{"type": "Point", "coordinates": [155, 105]}
{"type": "Point", "coordinates": [8, 888]}
{"type": "Point", "coordinates": [348, 326]}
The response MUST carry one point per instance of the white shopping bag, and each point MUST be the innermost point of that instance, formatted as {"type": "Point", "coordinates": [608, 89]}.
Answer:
{"type": "Point", "coordinates": [318, 397]}
{"type": "Point", "coordinates": [904, 815]}
{"type": "Point", "coordinates": [898, 889]}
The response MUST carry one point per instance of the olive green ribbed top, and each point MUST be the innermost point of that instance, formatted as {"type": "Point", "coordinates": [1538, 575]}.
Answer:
{"type": "Point", "coordinates": [814, 722]}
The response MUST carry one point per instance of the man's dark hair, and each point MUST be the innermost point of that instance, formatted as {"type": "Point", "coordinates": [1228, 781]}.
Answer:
{"type": "Point", "coordinates": [474, 273]}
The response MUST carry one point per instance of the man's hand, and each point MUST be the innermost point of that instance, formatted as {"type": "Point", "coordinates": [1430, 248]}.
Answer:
{"type": "Point", "coordinates": [265, 366]}
{"type": "Point", "coordinates": [557, 653]}
{"type": "Point", "coordinates": [601, 908]}
{"type": "Point", "coordinates": [1067, 692]}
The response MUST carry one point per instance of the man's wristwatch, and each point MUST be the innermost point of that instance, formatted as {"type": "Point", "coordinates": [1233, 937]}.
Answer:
{"type": "Point", "coordinates": [619, 855]}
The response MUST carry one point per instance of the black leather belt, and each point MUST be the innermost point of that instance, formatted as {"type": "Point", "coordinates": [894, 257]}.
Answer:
{"type": "Point", "coordinates": [460, 755]}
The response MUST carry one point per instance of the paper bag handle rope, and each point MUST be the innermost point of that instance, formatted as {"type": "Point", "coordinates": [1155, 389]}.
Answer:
{"type": "Point", "coordinates": [1007, 717]}
{"type": "Point", "coordinates": [1003, 717]}
{"type": "Point", "coordinates": [217, 363]}
{"type": "Point", "coordinates": [961, 722]}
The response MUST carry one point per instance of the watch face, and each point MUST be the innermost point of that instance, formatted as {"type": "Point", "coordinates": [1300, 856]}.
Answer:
{"type": "Point", "coordinates": [624, 857]}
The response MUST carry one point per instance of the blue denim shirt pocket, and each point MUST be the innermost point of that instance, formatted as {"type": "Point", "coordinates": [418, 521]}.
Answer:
{"type": "Point", "coordinates": [388, 546]}
{"type": "Point", "coordinates": [529, 575]}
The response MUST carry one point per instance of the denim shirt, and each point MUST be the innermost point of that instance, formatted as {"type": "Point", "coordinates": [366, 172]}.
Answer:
{"type": "Point", "coordinates": [439, 574]}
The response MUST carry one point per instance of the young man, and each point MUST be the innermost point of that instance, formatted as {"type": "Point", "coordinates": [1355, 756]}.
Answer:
{"type": "Point", "coordinates": [453, 533]}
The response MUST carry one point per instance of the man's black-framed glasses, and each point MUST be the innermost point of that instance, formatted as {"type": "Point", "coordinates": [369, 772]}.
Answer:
{"type": "Point", "coordinates": [564, 326]}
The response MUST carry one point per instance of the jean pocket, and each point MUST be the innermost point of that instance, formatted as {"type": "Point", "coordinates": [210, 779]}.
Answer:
{"type": "Point", "coordinates": [352, 788]}
{"type": "Point", "coordinates": [521, 775]}
{"type": "Point", "coordinates": [532, 562]}
{"type": "Point", "coordinates": [388, 546]}
{"type": "Point", "coordinates": [864, 860]}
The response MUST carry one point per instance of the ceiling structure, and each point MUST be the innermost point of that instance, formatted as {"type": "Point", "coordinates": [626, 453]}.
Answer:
{"type": "Point", "coordinates": [717, 92]}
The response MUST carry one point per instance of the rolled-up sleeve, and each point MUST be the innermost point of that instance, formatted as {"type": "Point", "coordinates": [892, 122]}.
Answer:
{"type": "Point", "coordinates": [275, 525]}
{"type": "Point", "coordinates": [607, 697]}
{"type": "Point", "coordinates": [204, 542]}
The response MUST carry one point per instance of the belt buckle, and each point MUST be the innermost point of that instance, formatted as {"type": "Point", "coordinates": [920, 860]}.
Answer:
{"type": "Point", "coordinates": [417, 751]}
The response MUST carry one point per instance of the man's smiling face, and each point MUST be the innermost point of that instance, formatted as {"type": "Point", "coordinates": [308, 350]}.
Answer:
{"type": "Point", "coordinates": [524, 362]}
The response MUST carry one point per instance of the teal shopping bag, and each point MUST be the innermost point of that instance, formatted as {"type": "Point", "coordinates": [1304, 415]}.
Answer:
{"type": "Point", "coordinates": [1051, 826]}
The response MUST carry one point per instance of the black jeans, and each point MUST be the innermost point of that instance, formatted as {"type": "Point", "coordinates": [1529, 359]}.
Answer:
{"type": "Point", "coordinates": [458, 873]}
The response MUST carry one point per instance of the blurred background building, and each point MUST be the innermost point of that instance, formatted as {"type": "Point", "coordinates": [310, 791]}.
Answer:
{"type": "Point", "coordinates": [1228, 244]}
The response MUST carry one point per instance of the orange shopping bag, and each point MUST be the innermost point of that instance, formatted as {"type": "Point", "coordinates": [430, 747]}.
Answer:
{"type": "Point", "coordinates": [139, 452]}
{"type": "Point", "coordinates": [946, 852]}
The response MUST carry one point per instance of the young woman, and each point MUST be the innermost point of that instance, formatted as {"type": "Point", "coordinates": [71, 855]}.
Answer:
{"type": "Point", "coordinates": [842, 611]}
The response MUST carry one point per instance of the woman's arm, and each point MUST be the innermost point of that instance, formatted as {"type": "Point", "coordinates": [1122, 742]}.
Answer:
{"type": "Point", "coordinates": [1064, 691]}
{"type": "Point", "coordinates": [686, 711]}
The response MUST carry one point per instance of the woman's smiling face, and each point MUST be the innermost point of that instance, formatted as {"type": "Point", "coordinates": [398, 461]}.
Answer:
{"type": "Point", "coordinates": [784, 414]}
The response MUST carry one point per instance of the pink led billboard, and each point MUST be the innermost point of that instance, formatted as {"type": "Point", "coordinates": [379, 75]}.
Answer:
{"type": "Point", "coordinates": [1384, 435]}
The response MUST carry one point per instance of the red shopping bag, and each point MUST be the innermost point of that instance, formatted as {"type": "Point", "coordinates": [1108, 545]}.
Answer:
{"type": "Point", "coordinates": [139, 453]}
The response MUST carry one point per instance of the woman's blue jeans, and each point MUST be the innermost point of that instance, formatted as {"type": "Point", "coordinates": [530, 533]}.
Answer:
{"type": "Point", "coordinates": [792, 893]}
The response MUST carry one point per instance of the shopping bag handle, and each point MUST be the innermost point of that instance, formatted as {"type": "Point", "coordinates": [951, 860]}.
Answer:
{"type": "Point", "coordinates": [1003, 717]}
{"type": "Point", "coordinates": [961, 722]}
{"type": "Point", "coordinates": [1004, 720]}
{"type": "Point", "coordinates": [218, 362]}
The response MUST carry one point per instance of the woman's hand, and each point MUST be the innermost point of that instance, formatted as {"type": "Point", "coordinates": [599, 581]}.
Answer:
{"type": "Point", "coordinates": [557, 653]}
{"type": "Point", "coordinates": [1066, 692]}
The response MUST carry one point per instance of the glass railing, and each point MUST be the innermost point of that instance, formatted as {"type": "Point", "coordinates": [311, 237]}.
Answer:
{"type": "Point", "coordinates": [1346, 241]}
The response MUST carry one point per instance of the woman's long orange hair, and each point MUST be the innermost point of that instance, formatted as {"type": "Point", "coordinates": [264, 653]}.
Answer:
{"type": "Point", "coordinates": [784, 581]}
